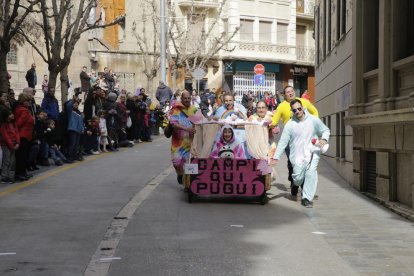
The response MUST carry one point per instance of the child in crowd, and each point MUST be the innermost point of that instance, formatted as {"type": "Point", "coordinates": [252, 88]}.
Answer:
{"type": "Point", "coordinates": [10, 141]}
{"type": "Point", "coordinates": [39, 149]}
{"type": "Point", "coordinates": [54, 152]}
{"type": "Point", "coordinates": [103, 140]}
{"type": "Point", "coordinates": [92, 136]}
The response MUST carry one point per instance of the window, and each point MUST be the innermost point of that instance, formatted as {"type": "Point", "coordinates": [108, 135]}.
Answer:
{"type": "Point", "coordinates": [338, 134]}
{"type": "Point", "coordinates": [246, 30]}
{"type": "Point", "coordinates": [343, 136]}
{"type": "Point", "coordinates": [195, 29]}
{"type": "Point", "coordinates": [343, 17]}
{"type": "Point", "coordinates": [317, 38]}
{"type": "Point", "coordinates": [12, 55]}
{"type": "Point", "coordinates": [300, 35]}
{"type": "Point", "coordinates": [370, 34]}
{"type": "Point", "coordinates": [328, 26]}
{"type": "Point", "coordinates": [403, 26]}
{"type": "Point", "coordinates": [282, 33]}
{"type": "Point", "coordinates": [265, 31]}
{"type": "Point", "coordinates": [323, 27]}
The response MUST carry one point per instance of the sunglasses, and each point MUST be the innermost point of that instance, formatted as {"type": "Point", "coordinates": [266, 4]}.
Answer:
{"type": "Point", "coordinates": [297, 109]}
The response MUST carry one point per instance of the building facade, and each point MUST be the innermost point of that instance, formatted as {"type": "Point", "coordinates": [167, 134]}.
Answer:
{"type": "Point", "coordinates": [369, 71]}
{"type": "Point", "coordinates": [277, 34]}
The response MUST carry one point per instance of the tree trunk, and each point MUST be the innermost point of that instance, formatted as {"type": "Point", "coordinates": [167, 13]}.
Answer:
{"type": "Point", "coordinates": [174, 79]}
{"type": "Point", "coordinates": [4, 82]}
{"type": "Point", "coordinates": [64, 84]}
{"type": "Point", "coordinates": [53, 74]}
{"type": "Point", "coordinates": [150, 88]}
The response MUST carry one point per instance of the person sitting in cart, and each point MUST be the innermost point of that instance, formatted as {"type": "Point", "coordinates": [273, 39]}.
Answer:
{"type": "Point", "coordinates": [230, 108]}
{"type": "Point", "coordinates": [227, 146]}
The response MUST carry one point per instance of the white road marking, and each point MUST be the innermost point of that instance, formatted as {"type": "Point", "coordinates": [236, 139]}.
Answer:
{"type": "Point", "coordinates": [107, 247]}
{"type": "Point", "coordinates": [319, 233]}
{"type": "Point", "coordinates": [8, 253]}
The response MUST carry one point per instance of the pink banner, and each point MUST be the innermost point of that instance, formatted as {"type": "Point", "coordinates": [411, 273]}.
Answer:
{"type": "Point", "coordinates": [228, 177]}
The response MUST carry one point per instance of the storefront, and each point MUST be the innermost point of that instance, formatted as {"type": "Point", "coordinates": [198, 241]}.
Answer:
{"type": "Point", "coordinates": [239, 77]}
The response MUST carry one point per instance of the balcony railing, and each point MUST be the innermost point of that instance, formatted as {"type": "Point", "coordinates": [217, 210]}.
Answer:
{"type": "Point", "coordinates": [199, 3]}
{"type": "Point", "coordinates": [263, 47]}
{"type": "Point", "coordinates": [282, 51]}
{"type": "Point", "coordinates": [305, 8]}
{"type": "Point", "coordinates": [304, 53]}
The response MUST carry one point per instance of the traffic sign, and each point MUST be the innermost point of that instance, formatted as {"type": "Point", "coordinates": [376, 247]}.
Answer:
{"type": "Point", "coordinates": [259, 79]}
{"type": "Point", "coordinates": [259, 69]}
{"type": "Point", "coordinates": [198, 73]}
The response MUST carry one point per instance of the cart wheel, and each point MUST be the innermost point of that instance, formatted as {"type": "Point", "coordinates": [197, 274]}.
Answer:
{"type": "Point", "coordinates": [190, 197]}
{"type": "Point", "coordinates": [264, 199]}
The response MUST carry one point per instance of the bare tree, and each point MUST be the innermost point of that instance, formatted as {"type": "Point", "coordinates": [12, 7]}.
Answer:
{"type": "Point", "coordinates": [193, 47]}
{"type": "Point", "coordinates": [61, 23]}
{"type": "Point", "coordinates": [13, 14]}
{"type": "Point", "coordinates": [147, 34]}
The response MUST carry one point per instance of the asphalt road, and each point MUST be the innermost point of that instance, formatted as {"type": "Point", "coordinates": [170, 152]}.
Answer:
{"type": "Point", "coordinates": [124, 214]}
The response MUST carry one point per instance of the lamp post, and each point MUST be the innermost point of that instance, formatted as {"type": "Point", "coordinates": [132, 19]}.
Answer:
{"type": "Point", "coordinates": [162, 41]}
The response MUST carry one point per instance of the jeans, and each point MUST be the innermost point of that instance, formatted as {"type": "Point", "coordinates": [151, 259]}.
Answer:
{"type": "Point", "coordinates": [73, 146]}
{"type": "Point", "coordinates": [9, 160]}
{"type": "Point", "coordinates": [56, 154]}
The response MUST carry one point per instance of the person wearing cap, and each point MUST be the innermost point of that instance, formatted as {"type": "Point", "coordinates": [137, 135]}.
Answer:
{"type": "Point", "coordinates": [298, 134]}
{"type": "Point", "coordinates": [284, 112]}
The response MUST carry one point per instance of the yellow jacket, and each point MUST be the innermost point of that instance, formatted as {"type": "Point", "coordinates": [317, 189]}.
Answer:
{"type": "Point", "coordinates": [284, 111]}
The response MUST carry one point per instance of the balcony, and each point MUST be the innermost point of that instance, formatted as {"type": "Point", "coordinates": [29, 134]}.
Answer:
{"type": "Point", "coordinates": [306, 54]}
{"type": "Point", "coordinates": [271, 52]}
{"type": "Point", "coordinates": [205, 4]}
{"type": "Point", "coordinates": [305, 9]}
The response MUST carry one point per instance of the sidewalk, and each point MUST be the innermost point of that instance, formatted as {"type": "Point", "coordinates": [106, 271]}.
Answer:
{"type": "Point", "coordinates": [370, 238]}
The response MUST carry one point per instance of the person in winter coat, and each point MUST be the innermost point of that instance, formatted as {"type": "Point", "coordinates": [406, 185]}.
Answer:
{"type": "Point", "coordinates": [122, 110]}
{"type": "Point", "coordinates": [10, 141]}
{"type": "Point", "coordinates": [163, 93]}
{"type": "Point", "coordinates": [39, 150]}
{"type": "Point", "coordinates": [75, 129]}
{"type": "Point", "coordinates": [25, 124]}
{"type": "Point", "coordinates": [227, 146]}
{"type": "Point", "coordinates": [50, 105]}
{"type": "Point", "coordinates": [85, 80]}
{"type": "Point", "coordinates": [31, 76]}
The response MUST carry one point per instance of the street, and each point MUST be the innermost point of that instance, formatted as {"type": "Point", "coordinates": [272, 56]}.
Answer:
{"type": "Point", "coordinates": [124, 214]}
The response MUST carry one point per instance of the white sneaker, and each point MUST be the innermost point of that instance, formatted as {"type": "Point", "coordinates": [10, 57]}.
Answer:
{"type": "Point", "coordinates": [95, 152]}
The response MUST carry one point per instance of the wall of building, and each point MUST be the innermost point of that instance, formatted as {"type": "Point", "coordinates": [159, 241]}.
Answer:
{"type": "Point", "coordinates": [333, 85]}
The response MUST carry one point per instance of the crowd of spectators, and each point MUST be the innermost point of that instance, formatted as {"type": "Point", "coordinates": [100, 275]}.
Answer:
{"type": "Point", "coordinates": [97, 118]}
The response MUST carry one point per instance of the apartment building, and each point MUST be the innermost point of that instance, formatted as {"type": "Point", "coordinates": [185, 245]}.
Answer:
{"type": "Point", "coordinates": [365, 84]}
{"type": "Point", "coordinates": [276, 34]}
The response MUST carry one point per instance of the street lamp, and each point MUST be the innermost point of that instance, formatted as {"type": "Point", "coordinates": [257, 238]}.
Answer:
{"type": "Point", "coordinates": [162, 40]}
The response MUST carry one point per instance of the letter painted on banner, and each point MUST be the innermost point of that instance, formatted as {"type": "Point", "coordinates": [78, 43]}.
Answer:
{"type": "Point", "coordinates": [228, 177]}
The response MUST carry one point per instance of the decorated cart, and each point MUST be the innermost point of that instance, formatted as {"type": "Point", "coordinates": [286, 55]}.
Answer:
{"type": "Point", "coordinates": [249, 177]}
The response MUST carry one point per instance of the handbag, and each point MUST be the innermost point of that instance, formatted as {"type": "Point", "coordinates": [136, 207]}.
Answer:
{"type": "Point", "coordinates": [168, 130]}
{"type": "Point", "coordinates": [129, 122]}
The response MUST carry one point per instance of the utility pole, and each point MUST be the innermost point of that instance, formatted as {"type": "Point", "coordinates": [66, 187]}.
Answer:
{"type": "Point", "coordinates": [162, 41]}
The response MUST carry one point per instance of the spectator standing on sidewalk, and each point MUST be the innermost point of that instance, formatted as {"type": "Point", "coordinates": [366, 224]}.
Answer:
{"type": "Point", "coordinates": [31, 76]}
{"type": "Point", "coordinates": [25, 124]}
{"type": "Point", "coordinates": [10, 141]}
{"type": "Point", "coordinates": [50, 105]}
{"type": "Point", "coordinates": [85, 80]}
{"type": "Point", "coordinates": [45, 84]}
{"type": "Point", "coordinates": [298, 134]}
{"type": "Point", "coordinates": [163, 93]}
